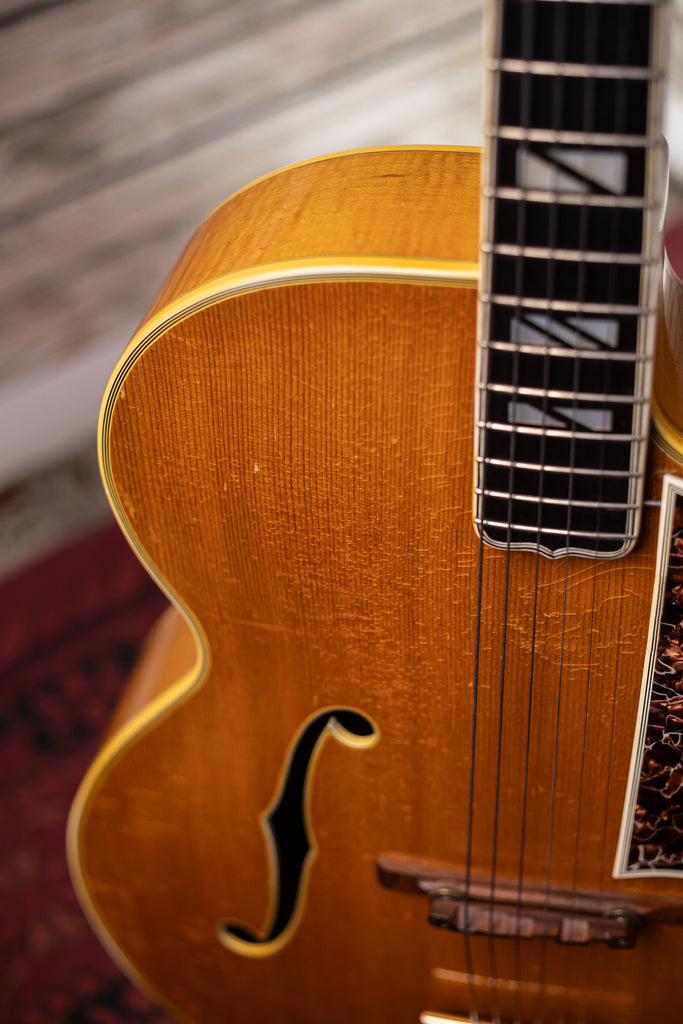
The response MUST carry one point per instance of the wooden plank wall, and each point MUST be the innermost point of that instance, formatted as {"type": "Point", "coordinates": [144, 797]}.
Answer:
{"type": "Point", "coordinates": [123, 123]}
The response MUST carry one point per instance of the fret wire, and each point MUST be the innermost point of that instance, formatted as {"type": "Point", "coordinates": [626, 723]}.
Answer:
{"type": "Point", "coordinates": [568, 434]}
{"type": "Point", "coordinates": [560, 502]}
{"type": "Point", "coordinates": [567, 305]}
{"type": "Point", "coordinates": [570, 255]}
{"type": "Point", "coordinates": [616, 474]}
{"type": "Point", "coordinates": [560, 198]}
{"type": "Point", "coordinates": [572, 70]}
{"type": "Point", "coordinates": [556, 352]}
{"type": "Point", "coordinates": [573, 138]}
{"type": "Point", "coordinates": [567, 396]}
{"type": "Point", "coordinates": [556, 531]}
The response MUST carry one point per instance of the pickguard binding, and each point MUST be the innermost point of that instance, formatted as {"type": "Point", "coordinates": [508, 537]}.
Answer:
{"type": "Point", "coordinates": [288, 834]}
{"type": "Point", "coordinates": [651, 837]}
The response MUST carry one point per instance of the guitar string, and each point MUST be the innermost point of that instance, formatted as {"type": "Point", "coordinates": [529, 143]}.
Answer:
{"type": "Point", "coordinates": [622, 45]}
{"type": "Point", "coordinates": [621, 126]}
{"type": "Point", "coordinates": [525, 117]}
{"type": "Point", "coordinates": [518, 292]}
{"type": "Point", "coordinates": [472, 994]}
{"type": "Point", "coordinates": [469, 960]}
{"type": "Point", "coordinates": [493, 971]}
{"type": "Point", "coordinates": [557, 103]}
{"type": "Point", "coordinates": [582, 247]}
{"type": "Point", "coordinates": [624, 28]}
{"type": "Point", "coordinates": [517, 954]}
{"type": "Point", "coordinates": [584, 212]}
{"type": "Point", "coordinates": [501, 697]}
{"type": "Point", "coordinates": [655, 43]}
{"type": "Point", "coordinates": [494, 11]}
{"type": "Point", "coordinates": [557, 97]}
{"type": "Point", "coordinates": [526, 52]}
{"type": "Point", "coordinates": [560, 20]}
{"type": "Point", "coordinates": [493, 965]}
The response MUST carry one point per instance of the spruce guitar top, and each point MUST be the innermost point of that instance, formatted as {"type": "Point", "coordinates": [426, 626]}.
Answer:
{"type": "Point", "coordinates": [409, 746]}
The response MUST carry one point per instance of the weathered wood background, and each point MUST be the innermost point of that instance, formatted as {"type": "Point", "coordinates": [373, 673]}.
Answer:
{"type": "Point", "coordinates": [122, 124]}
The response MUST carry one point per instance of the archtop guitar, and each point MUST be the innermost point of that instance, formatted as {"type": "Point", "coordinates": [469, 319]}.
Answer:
{"type": "Point", "coordinates": [408, 746]}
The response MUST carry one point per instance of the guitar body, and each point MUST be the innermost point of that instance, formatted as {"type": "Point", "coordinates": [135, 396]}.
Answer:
{"type": "Point", "coordinates": [288, 444]}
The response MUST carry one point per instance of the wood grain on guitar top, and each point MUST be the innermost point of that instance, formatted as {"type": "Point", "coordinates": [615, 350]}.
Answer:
{"type": "Point", "coordinates": [292, 454]}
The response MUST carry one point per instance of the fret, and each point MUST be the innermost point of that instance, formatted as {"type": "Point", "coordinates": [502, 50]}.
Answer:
{"type": "Point", "coordinates": [628, 358]}
{"type": "Point", "coordinates": [606, 506]}
{"type": "Point", "coordinates": [571, 199]}
{"type": "Point", "coordinates": [575, 449]}
{"type": "Point", "coordinates": [565, 396]}
{"type": "Point", "coordinates": [530, 530]}
{"type": "Point", "coordinates": [564, 434]}
{"type": "Point", "coordinates": [571, 138]}
{"type": "Point", "coordinates": [528, 474]}
{"type": "Point", "coordinates": [549, 253]}
{"type": "Point", "coordinates": [546, 467]}
{"type": "Point", "coordinates": [555, 68]}
{"type": "Point", "coordinates": [567, 305]}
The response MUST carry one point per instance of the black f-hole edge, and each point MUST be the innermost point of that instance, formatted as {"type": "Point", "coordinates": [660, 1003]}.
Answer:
{"type": "Point", "coordinates": [288, 834]}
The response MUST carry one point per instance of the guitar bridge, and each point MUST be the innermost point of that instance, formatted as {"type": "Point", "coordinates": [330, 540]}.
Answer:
{"type": "Point", "coordinates": [526, 910]}
{"type": "Point", "coordinates": [445, 1018]}
{"type": "Point", "coordinates": [506, 918]}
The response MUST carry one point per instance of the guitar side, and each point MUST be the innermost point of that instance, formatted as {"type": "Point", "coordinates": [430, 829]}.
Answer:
{"type": "Point", "coordinates": [288, 445]}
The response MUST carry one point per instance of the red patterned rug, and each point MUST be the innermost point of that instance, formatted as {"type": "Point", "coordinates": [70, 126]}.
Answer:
{"type": "Point", "coordinates": [70, 629]}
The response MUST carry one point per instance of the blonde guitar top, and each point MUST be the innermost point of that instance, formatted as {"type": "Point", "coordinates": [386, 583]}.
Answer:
{"type": "Point", "coordinates": [287, 442]}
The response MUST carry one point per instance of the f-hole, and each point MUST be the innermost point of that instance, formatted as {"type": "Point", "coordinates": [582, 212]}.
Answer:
{"type": "Point", "coordinates": [286, 826]}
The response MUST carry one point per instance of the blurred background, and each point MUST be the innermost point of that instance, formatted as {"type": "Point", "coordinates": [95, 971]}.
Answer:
{"type": "Point", "coordinates": [123, 124]}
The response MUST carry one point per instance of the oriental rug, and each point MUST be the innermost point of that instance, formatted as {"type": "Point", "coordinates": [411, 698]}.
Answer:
{"type": "Point", "coordinates": [70, 629]}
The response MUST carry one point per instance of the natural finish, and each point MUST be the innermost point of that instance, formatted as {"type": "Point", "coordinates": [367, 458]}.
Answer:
{"type": "Point", "coordinates": [288, 442]}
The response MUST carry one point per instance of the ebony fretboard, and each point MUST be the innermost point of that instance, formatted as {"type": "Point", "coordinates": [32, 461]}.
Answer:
{"type": "Point", "coordinates": [573, 187]}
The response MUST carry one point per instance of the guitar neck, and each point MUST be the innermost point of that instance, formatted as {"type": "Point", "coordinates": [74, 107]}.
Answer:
{"type": "Point", "coordinates": [573, 189]}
